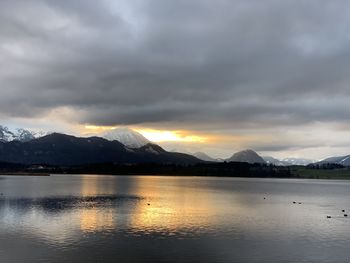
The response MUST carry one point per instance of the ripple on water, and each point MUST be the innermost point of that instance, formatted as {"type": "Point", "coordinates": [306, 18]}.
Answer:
{"type": "Point", "coordinates": [56, 204]}
{"type": "Point", "coordinates": [187, 219]}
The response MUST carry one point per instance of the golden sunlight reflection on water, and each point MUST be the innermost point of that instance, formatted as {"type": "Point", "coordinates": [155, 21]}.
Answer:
{"type": "Point", "coordinates": [93, 219]}
{"type": "Point", "coordinates": [169, 210]}
{"type": "Point", "coordinates": [167, 206]}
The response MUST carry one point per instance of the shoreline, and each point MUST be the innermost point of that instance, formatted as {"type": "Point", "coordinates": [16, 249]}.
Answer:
{"type": "Point", "coordinates": [296, 173]}
{"type": "Point", "coordinates": [23, 174]}
{"type": "Point", "coordinates": [210, 176]}
{"type": "Point", "coordinates": [175, 175]}
{"type": "Point", "coordinates": [35, 174]}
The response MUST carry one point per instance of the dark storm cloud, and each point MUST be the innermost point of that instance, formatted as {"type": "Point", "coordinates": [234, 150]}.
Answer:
{"type": "Point", "coordinates": [240, 63]}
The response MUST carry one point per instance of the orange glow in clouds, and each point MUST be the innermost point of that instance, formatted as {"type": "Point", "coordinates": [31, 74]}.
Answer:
{"type": "Point", "coordinates": [176, 136]}
{"type": "Point", "coordinates": [155, 135]}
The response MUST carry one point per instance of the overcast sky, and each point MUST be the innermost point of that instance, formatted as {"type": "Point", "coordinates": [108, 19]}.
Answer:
{"type": "Point", "coordinates": [271, 75]}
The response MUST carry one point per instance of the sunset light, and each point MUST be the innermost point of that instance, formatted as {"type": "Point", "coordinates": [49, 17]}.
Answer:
{"type": "Point", "coordinates": [174, 131]}
{"type": "Point", "coordinates": [154, 135]}
{"type": "Point", "coordinates": [178, 136]}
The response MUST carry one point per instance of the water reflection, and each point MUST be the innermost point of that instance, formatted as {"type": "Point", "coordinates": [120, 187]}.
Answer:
{"type": "Point", "coordinates": [152, 205]}
{"type": "Point", "coordinates": [60, 204]}
{"type": "Point", "coordinates": [103, 217]}
{"type": "Point", "coordinates": [171, 218]}
{"type": "Point", "coordinates": [92, 220]}
{"type": "Point", "coordinates": [60, 219]}
{"type": "Point", "coordinates": [172, 208]}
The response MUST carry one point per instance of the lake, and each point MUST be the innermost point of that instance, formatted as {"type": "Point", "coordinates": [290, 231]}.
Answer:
{"type": "Point", "coordinates": [100, 218]}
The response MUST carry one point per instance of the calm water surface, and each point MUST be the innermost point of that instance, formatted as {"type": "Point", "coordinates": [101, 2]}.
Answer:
{"type": "Point", "coordinates": [87, 218]}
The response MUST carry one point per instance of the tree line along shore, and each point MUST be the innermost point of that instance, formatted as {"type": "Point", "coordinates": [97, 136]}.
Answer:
{"type": "Point", "coordinates": [225, 169]}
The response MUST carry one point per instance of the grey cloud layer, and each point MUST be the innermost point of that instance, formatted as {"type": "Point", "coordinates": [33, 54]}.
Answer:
{"type": "Point", "coordinates": [251, 63]}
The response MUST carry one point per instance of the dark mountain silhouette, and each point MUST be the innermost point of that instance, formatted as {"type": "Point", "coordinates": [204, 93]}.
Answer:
{"type": "Point", "coordinates": [247, 156]}
{"type": "Point", "coordinates": [62, 149]}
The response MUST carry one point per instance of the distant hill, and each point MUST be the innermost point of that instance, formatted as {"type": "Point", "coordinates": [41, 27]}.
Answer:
{"type": "Point", "coordinates": [204, 157]}
{"type": "Point", "coordinates": [342, 160]}
{"type": "Point", "coordinates": [248, 156]}
{"type": "Point", "coordinates": [62, 149]}
{"type": "Point", "coordinates": [126, 136]}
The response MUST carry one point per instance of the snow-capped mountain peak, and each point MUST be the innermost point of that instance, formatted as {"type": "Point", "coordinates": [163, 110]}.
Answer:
{"type": "Point", "coordinates": [19, 134]}
{"type": "Point", "coordinates": [298, 161]}
{"type": "Point", "coordinates": [126, 136]}
{"type": "Point", "coordinates": [288, 161]}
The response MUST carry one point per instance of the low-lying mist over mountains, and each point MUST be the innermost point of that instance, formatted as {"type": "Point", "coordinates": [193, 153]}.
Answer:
{"type": "Point", "coordinates": [250, 156]}
{"type": "Point", "coordinates": [205, 157]}
{"type": "Point", "coordinates": [121, 145]}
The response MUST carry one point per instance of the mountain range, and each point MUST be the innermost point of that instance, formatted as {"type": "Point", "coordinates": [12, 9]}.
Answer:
{"type": "Point", "coordinates": [274, 161]}
{"type": "Point", "coordinates": [251, 156]}
{"type": "Point", "coordinates": [246, 156]}
{"type": "Point", "coordinates": [288, 161]}
{"type": "Point", "coordinates": [120, 145]}
{"type": "Point", "coordinates": [62, 149]}
{"type": "Point", "coordinates": [298, 161]}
